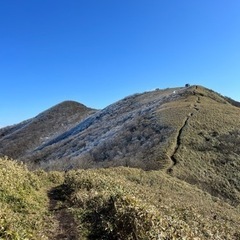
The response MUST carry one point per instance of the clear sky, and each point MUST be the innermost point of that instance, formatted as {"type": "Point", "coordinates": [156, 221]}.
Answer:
{"type": "Point", "coordinates": [99, 51]}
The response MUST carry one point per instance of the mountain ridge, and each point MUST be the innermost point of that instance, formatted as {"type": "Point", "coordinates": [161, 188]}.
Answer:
{"type": "Point", "coordinates": [191, 133]}
{"type": "Point", "coordinates": [37, 130]}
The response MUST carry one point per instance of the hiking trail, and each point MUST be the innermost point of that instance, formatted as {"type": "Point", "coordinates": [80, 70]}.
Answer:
{"type": "Point", "coordinates": [66, 227]}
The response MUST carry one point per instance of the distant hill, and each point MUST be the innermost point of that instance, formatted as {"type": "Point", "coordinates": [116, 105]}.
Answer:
{"type": "Point", "coordinates": [191, 133]}
{"type": "Point", "coordinates": [18, 140]}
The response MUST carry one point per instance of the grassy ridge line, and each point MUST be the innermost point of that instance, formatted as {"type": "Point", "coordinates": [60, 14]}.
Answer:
{"type": "Point", "coordinates": [208, 155]}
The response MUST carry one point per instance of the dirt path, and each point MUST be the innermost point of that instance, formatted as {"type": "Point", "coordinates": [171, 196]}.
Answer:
{"type": "Point", "coordinates": [66, 226]}
{"type": "Point", "coordinates": [179, 136]}
{"type": "Point", "coordinates": [177, 145]}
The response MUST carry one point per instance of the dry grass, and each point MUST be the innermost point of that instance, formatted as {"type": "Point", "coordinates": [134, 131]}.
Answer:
{"type": "Point", "coordinates": [114, 203]}
{"type": "Point", "coordinates": [207, 127]}
{"type": "Point", "coordinates": [124, 203]}
{"type": "Point", "coordinates": [24, 202]}
{"type": "Point", "coordinates": [199, 200]}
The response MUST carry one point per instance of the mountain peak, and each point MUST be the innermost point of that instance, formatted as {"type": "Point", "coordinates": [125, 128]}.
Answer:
{"type": "Point", "coordinates": [22, 138]}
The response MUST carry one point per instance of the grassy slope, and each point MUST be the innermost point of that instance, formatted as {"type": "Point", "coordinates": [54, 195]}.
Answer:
{"type": "Point", "coordinates": [125, 203]}
{"type": "Point", "coordinates": [24, 202]}
{"type": "Point", "coordinates": [208, 155]}
{"type": "Point", "coordinates": [114, 203]}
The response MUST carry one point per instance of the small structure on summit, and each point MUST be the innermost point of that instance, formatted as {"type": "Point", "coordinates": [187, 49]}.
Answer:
{"type": "Point", "coordinates": [187, 85]}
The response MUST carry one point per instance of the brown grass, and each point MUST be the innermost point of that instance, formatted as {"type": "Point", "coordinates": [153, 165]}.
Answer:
{"type": "Point", "coordinates": [208, 151]}
{"type": "Point", "coordinates": [114, 203]}
{"type": "Point", "coordinates": [124, 203]}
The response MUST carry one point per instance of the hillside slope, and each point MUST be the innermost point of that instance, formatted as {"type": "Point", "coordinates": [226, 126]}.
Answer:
{"type": "Point", "coordinates": [109, 204]}
{"type": "Point", "coordinates": [189, 133]}
{"type": "Point", "coordinates": [120, 134]}
{"type": "Point", "coordinates": [18, 140]}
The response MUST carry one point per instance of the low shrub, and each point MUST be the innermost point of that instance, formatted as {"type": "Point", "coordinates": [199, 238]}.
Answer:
{"type": "Point", "coordinates": [124, 203]}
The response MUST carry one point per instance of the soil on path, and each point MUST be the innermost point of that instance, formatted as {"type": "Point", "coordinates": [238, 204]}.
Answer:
{"type": "Point", "coordinates": [66, 227]}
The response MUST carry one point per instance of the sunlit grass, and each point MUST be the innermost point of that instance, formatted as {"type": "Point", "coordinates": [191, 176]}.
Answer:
{"type": "Point", "coordinates": [122, 203]}
{"type": "Point", "coordinates": [23, 202]}
{"type": "Point", "coordinates": [114, 203]}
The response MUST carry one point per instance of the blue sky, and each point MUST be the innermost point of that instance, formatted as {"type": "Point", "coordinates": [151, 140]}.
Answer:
{"type": "Point", "coordinates": [97, 52]}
